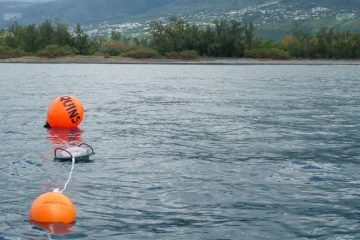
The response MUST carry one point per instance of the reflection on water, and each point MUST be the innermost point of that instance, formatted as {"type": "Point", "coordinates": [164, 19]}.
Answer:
{"type": "Point", "coordinates": [54, 228]}
{"type": "Point", "coordinates": [65, 136]}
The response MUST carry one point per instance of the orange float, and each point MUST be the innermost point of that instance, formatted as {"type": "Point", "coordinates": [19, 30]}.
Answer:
{"type": "Point", "coordinates": [64, 112]}
{"type": "Point", "coordinates": [52, 207]}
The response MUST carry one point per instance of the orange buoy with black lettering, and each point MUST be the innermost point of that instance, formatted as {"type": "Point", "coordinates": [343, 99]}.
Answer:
{"type": "Point", "coordinates": [52, 207]}
{"type": "Point", "coordinates": [64, 112]}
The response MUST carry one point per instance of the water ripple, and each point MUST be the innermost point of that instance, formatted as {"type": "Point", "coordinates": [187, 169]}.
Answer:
{"type": "Point", "coordinates": [187, 152]}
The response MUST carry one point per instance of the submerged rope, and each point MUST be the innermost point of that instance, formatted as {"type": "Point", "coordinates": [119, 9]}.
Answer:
{"type": "Point", "coordinates": [59, 138]}
{"type": "Point", "coordinates": [72, 168]}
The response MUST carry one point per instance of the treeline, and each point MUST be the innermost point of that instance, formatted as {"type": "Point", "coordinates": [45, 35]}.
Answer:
{"type": "Point", "coordinates": [236, 39]}
{"type": "Point", "coordinates": [47, 39]}
{"type": "Point", "coordinates": [178, 39]}
{"type": "Point", "coordinates": [223, 39]}
{"type": "Point", "coordinates": [327, 43]}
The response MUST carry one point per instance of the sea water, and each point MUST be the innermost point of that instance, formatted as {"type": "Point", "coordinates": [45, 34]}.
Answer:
{"type": "Point", "coordinates": [186, 151]}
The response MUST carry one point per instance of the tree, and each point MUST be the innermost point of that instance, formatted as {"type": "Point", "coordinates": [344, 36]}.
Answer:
{"type": "Point", "coordinates": [221, 34]}
{"type": "Point", "coordinates": [175, 33]}
{"type": "Point", "coordinates": [176, 36]}
{"type": "Point", "coordinates": [126, 39]}
{"type": "Point", "coordinates": [229, 40]}
{"type": "Point", "coordinates": [325, 36]}
{"type": "Point", "coordinates": [15, 35]}
{"type": "Point", "coordinates": [62, 36]}
{"type": "Point", "coordinates": [30, 36]}
{"type": "Point", "coordinates": [145, 41]}
{"type": "Point", "coordinates": [355, 45]}
{"type": "Point", "coordinates": [224, 40]}
{"type": "Point", "coordinates": [159, 40]}
{"type": "Point", "coordinates": [342, 48]}
{"type": "Point", "coordinates": [237, 44]}
{"type": "Point", "coordinates": [82, 42]}
{"type": "Point", "coordinates": [2, 36]}
{"type": "Point", "coordinates": [46, 34]}
{"type": "Point", "coordinates": [115, 36]}
{"type": "Point", "coordinates": [191, 38]}
{"type": "Point", "coordinates": [249, 34]}
{"type": "Point", "coordinates": [207, 42]}
{"type": "Point", "coordinates": [301, 44]}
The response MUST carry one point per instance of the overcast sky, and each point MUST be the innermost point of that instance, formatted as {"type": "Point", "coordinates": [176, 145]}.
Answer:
{"type": "Point", "coordinates": [25, 0]}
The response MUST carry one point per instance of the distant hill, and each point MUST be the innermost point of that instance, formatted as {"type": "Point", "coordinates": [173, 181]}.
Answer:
{"type": "Point", "coordinates": [272, 18]}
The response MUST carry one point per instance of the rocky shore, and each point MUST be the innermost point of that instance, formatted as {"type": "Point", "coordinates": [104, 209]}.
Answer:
{"type": "Point", "coordinates": [200, 61]}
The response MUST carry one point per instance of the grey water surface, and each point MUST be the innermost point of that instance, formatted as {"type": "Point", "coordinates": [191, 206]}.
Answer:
{"type": "Point", "coordinates": [186, 151]}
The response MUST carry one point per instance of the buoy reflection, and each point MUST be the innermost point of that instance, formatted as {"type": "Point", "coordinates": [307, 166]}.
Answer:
{"type": "Point", "coordinates": [65, 136]}
{"type": "Point", "coordinates": [54, 228]}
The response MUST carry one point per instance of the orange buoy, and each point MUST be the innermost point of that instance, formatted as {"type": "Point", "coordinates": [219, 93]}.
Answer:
{"type": "Point", "coordinates": [64, 112]}
{"type": "Point", "coordinates": [52, 207]}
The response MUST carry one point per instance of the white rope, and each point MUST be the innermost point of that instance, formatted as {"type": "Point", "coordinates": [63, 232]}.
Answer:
{"type": "Point", "coordinates": [59, 138]}
{"type": "Point", "coordinates": [72, 168]}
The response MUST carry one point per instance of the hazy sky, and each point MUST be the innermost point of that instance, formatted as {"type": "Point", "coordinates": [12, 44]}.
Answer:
{"type": "Point", "coordinates": [25, 0]}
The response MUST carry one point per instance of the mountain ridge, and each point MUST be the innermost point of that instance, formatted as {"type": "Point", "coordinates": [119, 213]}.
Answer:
{"type": "Point", "coordinates": [272, 18]}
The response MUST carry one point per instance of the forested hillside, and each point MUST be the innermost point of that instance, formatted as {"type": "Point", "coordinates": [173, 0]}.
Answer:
{"type": "Point", "coordinates": [178, 39]}
{"type": "Point", "coordinates": [273, 19]}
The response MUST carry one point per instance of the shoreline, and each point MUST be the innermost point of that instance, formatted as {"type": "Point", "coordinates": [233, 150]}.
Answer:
{"type": "Point", "coordinates": [164, 61]}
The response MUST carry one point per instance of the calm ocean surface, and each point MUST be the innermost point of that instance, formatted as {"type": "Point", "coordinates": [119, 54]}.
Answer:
{"type": "Point", "coordinates": [186, 151]}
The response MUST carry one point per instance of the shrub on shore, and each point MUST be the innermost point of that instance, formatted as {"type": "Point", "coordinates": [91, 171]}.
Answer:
{"type": "Point", "coordinates": [273, 53]}
{"type": "Point", "coordinates": [7, 52]}
{"type": "Point", "coordinates": [54, 50]}
{"type": "Point", "coordinates": [112, 48]}
{"type": "Point", "coordinates": [140, 53]}
{"type": "Point", "coordinates": [184, 55]}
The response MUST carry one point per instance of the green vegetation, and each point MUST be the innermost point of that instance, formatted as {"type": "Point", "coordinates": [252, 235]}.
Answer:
{"type": "Point", "coordinates": [327, 43]}
{"type": "Point", "coordinates": [46, 40]}
{"type": "Point", "coordinates": [112, 48]}
{"type": "Point", "coordinates": [276, 31]}
{"type": "Point", "coordinates": [7, 52]}
{"type": "Point", "coordinates": [234, 39]}
{"type": "Point", "coordinates": [183, 55]}
{"type": "Point", "coordinates": [54, 50]}
{"type": "Point", "coordinates": [273, 53]}
{"type": "Point", "coordinates": [178, 40]}
{"type": "Point", "coordinates": [226, 39]}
